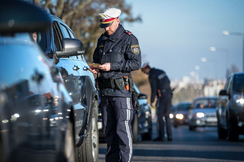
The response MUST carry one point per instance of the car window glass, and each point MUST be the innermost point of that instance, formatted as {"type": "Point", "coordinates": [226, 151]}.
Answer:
{"type": "Point", "coordinates": [42, 40]}
{"type": "Point", "coordinates": [136, 89]}
{"type": "Point", "coordinates": [226, 84]}
{"type": "Point", "coordinates": [205, 103]}
{"type": "Point", "coordinates": [71, 33]}
{"type": "Point", "coordinates": [238, 83]}
{"type": "Point", "coordinates": [64, 31]}
{"type": "Point", "coordinates": [183, 106]}
{"type": "Point", "coordinates": [229, 86]}
{"type": "Point", "coordinates": [57, 36]}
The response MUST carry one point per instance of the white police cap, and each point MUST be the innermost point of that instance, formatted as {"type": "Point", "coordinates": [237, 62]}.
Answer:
{"type": "Point", "coordinates": [108, 17]}
{"type": "Point", "coordinates": [144, 65]}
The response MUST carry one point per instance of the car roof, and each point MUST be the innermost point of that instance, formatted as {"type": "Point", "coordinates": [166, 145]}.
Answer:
{"type": "Point", "coordinates": [205, 97]}
{"type": "Point", "coordinates": [238, 73]}
{"type": "Point", "coordinates": [184, 102]}
{"type": "Point", "coordinates": [53, 17]}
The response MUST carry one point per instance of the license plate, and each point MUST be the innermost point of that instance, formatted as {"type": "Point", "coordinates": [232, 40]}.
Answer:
{"type": "Point", "coordinates": [211, 119]}
{"type": "Point", "coordinates": [100, 125]}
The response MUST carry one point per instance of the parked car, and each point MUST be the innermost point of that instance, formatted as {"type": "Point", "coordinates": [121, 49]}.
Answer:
{"type": "Point", "coordinates": [62, 48]}
{"type": "Point", "coordinates": [171, 115]}
{"type": "Point", "coordinates": [181, 113]}
{"type": "Point", "coordinates": [230, 108]}
{"type": "Point", "coordinates": [30, 89]}
{"type": "Point", "coordinates": [144, 115]}
{"type": "Point", "coordinates": [202, 112]}
{"type": "Point", "coordinates": [141, 123]}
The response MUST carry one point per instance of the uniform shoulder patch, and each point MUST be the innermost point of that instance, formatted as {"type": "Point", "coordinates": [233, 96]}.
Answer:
{"type": "Point", "coordinates": [128, 32]}
{"type": "Point", "coordinates": [135, 49]}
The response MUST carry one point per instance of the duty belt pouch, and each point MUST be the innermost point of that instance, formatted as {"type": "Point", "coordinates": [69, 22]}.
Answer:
{"type": "Point", "coordinates": [119, 83]}
{"type": "Point", "coordinates": [112, 83]}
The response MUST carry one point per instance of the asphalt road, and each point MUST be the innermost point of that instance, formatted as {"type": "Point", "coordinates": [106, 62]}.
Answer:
{"type": "Point", "coordinates": [201, 145]}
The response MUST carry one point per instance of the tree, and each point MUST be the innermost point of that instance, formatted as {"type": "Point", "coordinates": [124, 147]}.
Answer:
{"type": "Point", "coordinates": [80, 16]}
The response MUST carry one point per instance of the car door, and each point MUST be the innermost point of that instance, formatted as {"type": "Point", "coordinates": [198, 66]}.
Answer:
{"type": "Point", "coordinates": [224, 99]}
{"type": "Point", "coordinates": [78, 79]}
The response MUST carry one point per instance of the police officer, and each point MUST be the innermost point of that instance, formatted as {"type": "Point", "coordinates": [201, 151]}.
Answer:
{"type": "Point", "coordinates": [116, 55]}
{"type": "Point", "coordinates": [160, 86]}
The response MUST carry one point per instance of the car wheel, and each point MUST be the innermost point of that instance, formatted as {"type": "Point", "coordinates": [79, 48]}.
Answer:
{"type": "Point", "coordinates": [192, 128]}
{"type": "Point", "coordinates": [148, 135]}
{"type": "Point", "coordinates": [135, 125]}
{"type": "Point", "coordinates": [222, 133]}
{"type": "Point", "coordinates": [232, 134]}
{"type": "Point", "coordinates": [88, 152]}
{"type": "Point", "coordinates": [69, 150]}
{"type": "Point", "coordinates": [92, 140]}
{"type": "Point", "coordinates": [1, 150]}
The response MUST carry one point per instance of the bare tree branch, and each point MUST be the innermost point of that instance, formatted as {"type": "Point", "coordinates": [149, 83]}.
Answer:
{"type": "Point", "coordinates": [79, 7]}
{"type": "Point", "coordinates": [59, 8]}
{"type": "Point", "coordinates": [48, 2]}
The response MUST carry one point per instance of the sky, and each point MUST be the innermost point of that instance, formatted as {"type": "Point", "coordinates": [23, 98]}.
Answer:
{"type": "Point", "coordinates": [175, 35]}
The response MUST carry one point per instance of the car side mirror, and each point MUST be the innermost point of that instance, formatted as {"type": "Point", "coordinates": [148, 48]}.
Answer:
{"type": "Point", "coordinates": [71, 47]}
{"type": "Point", "coordinates": [142, 96]}
{"type": "Point", "coordinates": [223, 92]}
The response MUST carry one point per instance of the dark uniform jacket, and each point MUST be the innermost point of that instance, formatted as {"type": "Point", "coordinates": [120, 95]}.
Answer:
{"type": "Point", "coordinates": [159, 81]}
{"type": "Point", "coordinates": [122, 51]}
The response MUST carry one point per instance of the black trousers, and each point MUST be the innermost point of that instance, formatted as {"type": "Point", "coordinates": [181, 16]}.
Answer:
{"type": "Point", "coordinates": [164, 108]}
{"type": "Point", "coordinates": [117, 115]}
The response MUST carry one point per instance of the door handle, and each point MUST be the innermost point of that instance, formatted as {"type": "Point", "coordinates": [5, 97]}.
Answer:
{"type": "Point", "coordinates": [76, 68]}
{"type": "Point", "coordinates": [86, 68]}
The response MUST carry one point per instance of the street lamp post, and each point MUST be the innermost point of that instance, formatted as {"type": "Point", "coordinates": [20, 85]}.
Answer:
{"type": "Point", "coordinates": [238, 34]}
{"type": "Point", "coordinates": [203, 59]}
{"type": "Point", "coordinates": [213, 49]}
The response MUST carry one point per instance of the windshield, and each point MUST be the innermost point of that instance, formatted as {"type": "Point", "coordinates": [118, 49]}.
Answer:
{"type": "Point", "coordinates": [239, 83]}
{"type": "Point", "coordinates": [205, 103]}
{"type": "Point", "coordinates": [136, 89]}
{"type": "Point", "coordinates": [41, 40]}
{"type": "Point", "coordinates": [183, 106]}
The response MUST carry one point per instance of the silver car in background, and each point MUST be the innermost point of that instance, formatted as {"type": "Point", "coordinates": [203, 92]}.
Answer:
{"type": "Point", "coordinates": [202, 112]}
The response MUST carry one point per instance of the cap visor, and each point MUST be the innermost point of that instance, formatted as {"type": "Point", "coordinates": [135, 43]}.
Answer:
{"type": "Point", "coordinates": [105, 25]}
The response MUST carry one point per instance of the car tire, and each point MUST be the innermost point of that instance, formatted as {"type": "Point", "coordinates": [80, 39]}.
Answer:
{"type": "Point", "coordinates": [92, 142]}
{"type": "Point", "coordinates": [222, 133]}
{"type": "Point", "coordinates": [69, 150]}
{"type": "Point", "coordinates": [175, 124]}
{"type": "Point", "coordinates": [148, 135]}
{"type": "Point", "coordinates": [192, 128]}
{"type": "Point", "coordinates": [232, 134]}
{"type": "Point", "coordinates": [135, 126]}
{"type": "Point", "coordinates": [88, 152]}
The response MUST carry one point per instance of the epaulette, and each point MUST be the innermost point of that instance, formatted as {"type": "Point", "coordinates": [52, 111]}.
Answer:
{"type": "Point", "coordinates": [128, 32]}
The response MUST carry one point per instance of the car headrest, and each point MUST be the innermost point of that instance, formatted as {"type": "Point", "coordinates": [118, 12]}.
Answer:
{"type": "Point", "coordinates": [21, 16]}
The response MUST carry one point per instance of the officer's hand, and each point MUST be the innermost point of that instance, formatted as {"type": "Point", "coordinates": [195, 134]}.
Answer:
{"type": "Point", "coordinates": [93, 70]}
{"type": "Point", "coordinates": [104, 67]}
{"type": "Point", "coordinates": [152, 105]}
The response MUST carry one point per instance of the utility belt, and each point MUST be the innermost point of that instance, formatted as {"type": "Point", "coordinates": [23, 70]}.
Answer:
{"type": "Point", "coordinates": [160, 91]}
{"type": "Point", "coordinates": [118, 83]}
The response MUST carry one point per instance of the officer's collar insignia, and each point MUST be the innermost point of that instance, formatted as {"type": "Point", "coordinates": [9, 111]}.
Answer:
{"type": "Point", "coordinates": [135, 49]}
{"type": "Point", "coordinates": [101, 46]}
{"type": "Point", "coordinates": [128, 32]}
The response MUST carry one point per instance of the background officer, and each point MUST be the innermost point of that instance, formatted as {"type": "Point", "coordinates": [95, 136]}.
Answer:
{"type": "Point", "coordinates": [160, 86]}
{"type": "Point", "coordinates": [116, 55]}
